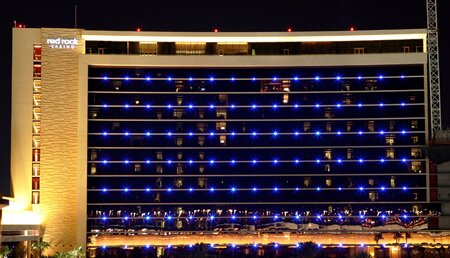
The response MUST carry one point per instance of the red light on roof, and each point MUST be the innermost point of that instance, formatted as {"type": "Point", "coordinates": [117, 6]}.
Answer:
{"type": "Point", "coordinates": [352, 28]}
{"type": "Point", "coordinates": [21, 25]}
{"type": "Point", "coordinates": [138, 29]}
{"type": "Point", "coordinates": [216, 30]}
{"type": "Point", "coordinates": [289, 29]}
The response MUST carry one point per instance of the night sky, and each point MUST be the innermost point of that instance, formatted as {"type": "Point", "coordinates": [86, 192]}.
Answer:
{"type": "Point", "coordinates": [204, 15]}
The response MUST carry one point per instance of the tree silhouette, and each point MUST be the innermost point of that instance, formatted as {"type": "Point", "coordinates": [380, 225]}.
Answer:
{"type": "Point", "coordinates": [397, 236]}
{"type": "Point", "coordinates": [362, 255]}
{"type": "Point", "coordinates": [309, 250]}
{"type": "Point", "coordinates": [377, 237]}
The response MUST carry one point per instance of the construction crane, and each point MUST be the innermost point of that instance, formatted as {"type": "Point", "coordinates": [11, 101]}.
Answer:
{"type": "Point", "coordinates": [433, 66]}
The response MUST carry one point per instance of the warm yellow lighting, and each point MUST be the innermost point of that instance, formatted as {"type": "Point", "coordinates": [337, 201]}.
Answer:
{"type": "Point", "coordinates": [243, 37]}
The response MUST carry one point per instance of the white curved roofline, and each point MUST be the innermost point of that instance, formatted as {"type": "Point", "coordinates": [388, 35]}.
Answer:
{"type": "Point", "coordinates": [314, 36]}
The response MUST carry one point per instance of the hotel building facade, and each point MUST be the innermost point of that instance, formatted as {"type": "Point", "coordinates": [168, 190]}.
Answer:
{"type": "Point", "coordinates": [134, 138]}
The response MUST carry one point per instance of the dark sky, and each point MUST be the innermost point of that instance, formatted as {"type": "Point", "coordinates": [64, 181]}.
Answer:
{"type": "Point", "coordinates": [204, 15]}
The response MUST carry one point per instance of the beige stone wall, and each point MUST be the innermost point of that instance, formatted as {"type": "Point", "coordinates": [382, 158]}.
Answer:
{"type": "Point", "coordinates": [60, 178]}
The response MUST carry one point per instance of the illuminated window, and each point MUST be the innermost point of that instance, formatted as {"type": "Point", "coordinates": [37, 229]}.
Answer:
{"type": "Point", "coordinates": [36, 169]}
{"type": "Point", "coordinates": [416, 152]}
{"type": "Point", "coordinates": [373, 196]}
{"type": "Point", "coordinates": [412, 99]}
{"type": "Point", "coordinates": [223, 140]}
{"type": "Point", "coordinates": [232, 48]}
{"type": "Point", "coordinates": [201, 140]}
{"type": "Point", "coordinates": [179, 99]}
{"type": "Point", "coordinates": [159, 182]}
{"type": "Point", "coordinates": [371, 126]}
{"type": "Point", "coordinates": [285, 98]}
{"type": "Point", "coordinates": [390, 139]}
{"type": "Point", "coordinates": [159, 169]}
{"type": "Point", "coordinates": [201, 126]}
{"type": "Point", "coordinates": [179, 169]}
{"type": "Point", "coordinates": [201, 155]}
{"type": "Point", "coordinates": [93, 155]}
{"type": "Point", "coordinates": [391, 125]}
{"type": "Point", "coordinates": [35, 184]}
{"type": "Point", "coordinates": [202, 182]}
{"type": "Point", "coordinates": [35, 198]}
{"type": "Point", "coordinates": [327, 113]}
{"type": "Point", "coordinates": [349, 126]}
{"type": "Point", "coordinates": [358, 50]}
{"type": "Point", "coordinates": [392, 181]}
{"type": "Point", "coordinates": [137, 167]}
{"type": "Point", "coordinates": [201, 168]}
{"type": "Point", "coordinates": [148, 48]}
{"type": "Point", "coordinates": [327, 154]}
{"type": "Point", "coordinates": [178, 113]}
{"type": "Point", "coordinates": [159, 155]}
{"type": "Point", "coordinates": [349, 153]}
{"type": "Point", "coordinates": [178, 182]}
{"type": "Point", "coordinates": [93, 169]}
{"type": "Point", "coordinates": [190, 48]}
{"type": "Point", "coordinates": [307, 181]}
{"type": "Point", "coordinates": [371, 182]}
{"type": "Point", "coordinates": [327, 167]}
{"type": "Point", "coordinates": [221, 113]}
{"type": "Point", "coordinates": [222, 126]}
{"type": "Point", "coordinates": [415, 139]}
{"type": "Point", "coordinates": [390, 153]}
{"type": "Point", "coordinates": [36, 155]}
{"type": "Point", "coordinates": [179, 141]}
{"type": "Point", "coordinates": [414, 124]}
{"type": "Point", "coordinates": [416, 166]}
{"type": "Point", "coordinates": [37, 52]}
{"type": "Point", "coordinates": [179, 155]}
{"type": "Point", "coordinates": [328, 182]}
{"type": "Point", "coordinates": [328, 127]}
{"type": "Point", "coordinates": [306, 126]}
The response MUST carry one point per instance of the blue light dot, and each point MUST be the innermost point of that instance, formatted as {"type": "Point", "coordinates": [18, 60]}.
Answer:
{"type": "Point", "coordinates": [190, 79]}
{"type": "Point", "coordinates": [127, 78]}
{"type": "Point", "coordinates": [296, 189]}
{"type": "Point", "coordinates": [169, 106]}
{"type": "Point", "coordinates": [211, 189]}
{"type": "Point", "coordinates": [232, 79]}
{"type": "Point", "coordinates": [233, 161]}
{"type": "Point", "coordinates": [275, 217]}
{"type": "Point", "coordinates": [254, 161]}
{"type": "Point", "coordinates": [211, 106]}
{"type": "Point", "coordinates": [103, 218]}
{"type": "Point", "coordinates": [147, 189]}
{"type": "Point", "coordinates": [253, 106]}
{"type": "Point", "coordinates": [211, 161]}
{"type": "Point", "coordinates": [191, 217]}
{"type": "Point", "coordinates": [147, 246]}
{"type": "Point", "coordinates": [233, 106]}
{"type": "Point", "coordinates": [212, 245]}
{"type": "Point", "coordinates": [148, 161]}
{"type": "Point", "coordinates": [361, 216]}
{"type": "Point", "coordinates": [404, 188]}
{"type": "Point", "coordinates": [169, 162]}
{"type": "Point", "coordinates": [253, 79]}
{"type": "Point", "coordinates": [169, 246]}
{"type": "Point", "coordinates": [275, 189]}
{"type": "Point", "coordinates": [317, 160]}
{"type": "Point", "coordinates": [148, 106]}
{"type": "Point", "coordinates": [169, 217]}
{"type": "Point", "coordinates": [402, 104]}
{"type": "Point", "coordinates": [405, 216]}
{"type": "Point", "coordinates": [381, 104]}
{"type": "Point", "coordinates": [361, 188]}
{"type": "Point", "coordinates": [381, 160]}
{"type": "Point", "coordinates": [402, 76]}
{"type": "Point", "coordinates": [125, 218]}
{"type": "Point", "coordinates": [338, 105]}
{"type": "Point", "coordinates": [275, 133]}
{"type": "Point", "coordinates": [233, 133]}
{"type": "Point", "coordinates": [105, 190]}
{"type": "Point", "coordinates": [105, 161]}
{"type": "Point", "coordinates": [295, 78]}
{"type": "Point", "coordinates": [359, 77]}
{"type": "Point", "coordinates": [105, 77]}
{"type": "Point", "coordinates": [211, 79]}
{"type": "Point", "coordinates": [127, 133]}
{"type": "Point", "coordinates": [317, 133]}
{"type": "Point", "coordinates": [338, 78]}
{"type": "Point", "coordinates": [340, 244]}
{"type": "Point", "coordinates": [127, 161]}
{"type": "Point", "coordinates": [191, 161]}
{"type": "Point", "coordinates": [147, 133]}
{"type": "Point", "coordinates": [339, 160]}
{"type": "Point", "coordinates": [190, 189]}
{"type": "Point", "coordinates": [317, 78]}
{"type": "Point", "coordinates": [296, 133]}
{"type": "Point", "coordinates": [297, 216]}
{"type": "Point", "coordinates": [104, 246]}
{"type": "Point", "coordinates": [105, 105]}
{"type": "Point", "coordinates": [276, 245]}
{"type": "Point", "coordinates": [148, 78]}
{"type": "Point", "coordinates": [254, 133]}
{"type": "Point", "coordinates": [169, 133]}
{"type": "Point", "coordinates": [360, 132]}
{"type": "Point", "coordinates": [274, 78]}
{"type": "Point", "coordinates": [318, 189]}
{"type": "Point", "coordinates": [191, 133]}
{"type": "Point", "coordinates": [127, 106]}
{"type": "Point", "coordinates": [340, 188]}
{"type": "Point", "coordinates": [339, 133]}
{"type": "Point", "coordinates": [275, 161]}
{"type": "Point", "coordinates": [233, 189]}
{"type": "Point", "coordinates": [211, 217]}
{"type": "Point", "coordinates": [340, 216]}
{"type": "Point", "coordinates": [383, 188]}
{"type": "Point", "coordinates": [381, 77]}
{"type": "Point", "coordinates": [362, 244]}
{"type": "Point", "coordinates": [317, 105]}
{"type": "Point", "coordinates": [233, 245]}
{"type": "Point", "coordinates": [169, 189]}
{"type": "Point", "coordinates": [403, 160]}
{"type": "Point", "coordinates": [296, 161]}
{"type": "Point", "coordinates": [297, 245]}
{"type": "Point", "coordinates": [383, 216]}
{"type": "Point", "coordinates": [275, 106]}
{"type": "Point", "coordinates": [169, 78]}
{"type": "Point", "coordinates": [254, 189]}
{"type": "Point", "coordinates": [254, 217]}
{"type": "Point", "coordinates": [403, 131]}
{"type": "Point", "coordinates": [296, 106]}
{"type": "Point", "coordinates": [381, 132]}
{"type": "Point", "coordinates": [191, 106]}
{"type": "Point", "coordinates": [255, 245]}
{"type": "Point", "coordinates": [233, 217]}
{"type": "Point", "coordinates": [147, 217]}
{"type": "Point", "coordinates": [211, 134]}
{"type": "Point", "coordinates": [359, 105]}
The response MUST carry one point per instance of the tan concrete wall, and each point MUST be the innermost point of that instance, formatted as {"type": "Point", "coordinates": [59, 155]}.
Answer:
{"type": "Point", "coordinates": [21, 116]}
{"type": "Point", "coordinates": [60, 178]}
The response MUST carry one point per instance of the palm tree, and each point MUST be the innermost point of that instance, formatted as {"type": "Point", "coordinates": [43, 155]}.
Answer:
{"type": "Point", "coordinates": [77, 252]}
{"type": "Point", "coordinates": [309, 250]}
{"type": "Point", "coordinates": [5, 251]}
{"type": "Point", "coordinates": [407, 236]}
{"type": "Point", "coordinates": [397, 236]}
{"type": "Point", "coordinates": [40, 246]}
{"type": "Point", "coordinates": [377, 237]}
{"type": "Point", "coordinates": [362, 255]}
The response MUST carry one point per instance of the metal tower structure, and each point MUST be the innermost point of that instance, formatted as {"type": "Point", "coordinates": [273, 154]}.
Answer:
{"type": "Point", "coordinates": [433, 66]}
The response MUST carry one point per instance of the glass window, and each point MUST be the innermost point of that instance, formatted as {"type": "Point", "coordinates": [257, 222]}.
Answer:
{"type": "Point", "coordinates": [190, 48]}
{"type": "Point", "coordinates": [148, 48]}
{"type": "Point", "coordinates": [232, 48]}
